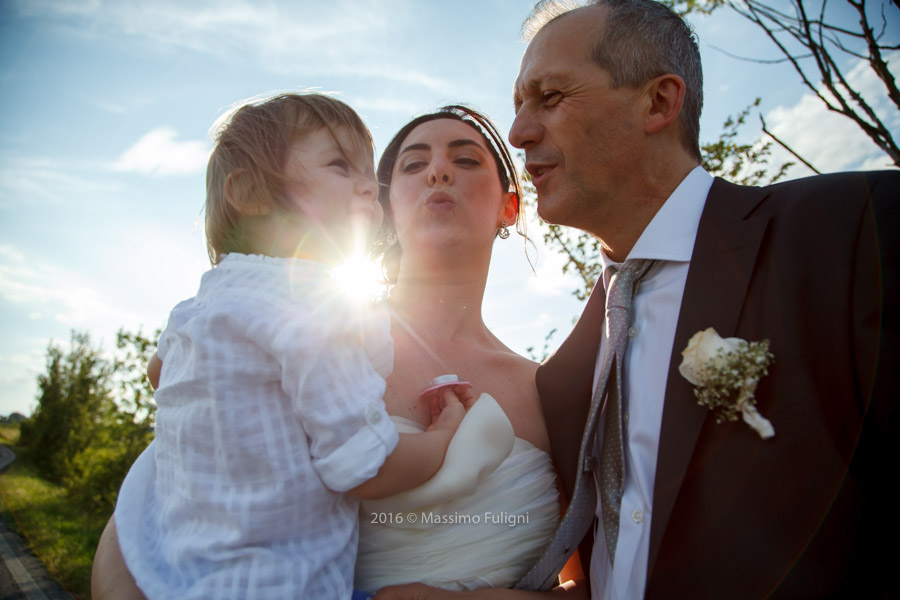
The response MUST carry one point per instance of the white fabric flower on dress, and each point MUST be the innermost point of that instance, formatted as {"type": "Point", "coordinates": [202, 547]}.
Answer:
{"type": "Point", "coordinates": [725, 372]}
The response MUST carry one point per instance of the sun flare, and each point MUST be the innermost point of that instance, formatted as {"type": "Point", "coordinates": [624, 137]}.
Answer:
{"type": "Point", "coordinates": [359, 278]}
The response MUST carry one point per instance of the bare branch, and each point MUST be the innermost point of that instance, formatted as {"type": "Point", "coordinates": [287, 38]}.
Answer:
{"type": "Point", "coordinates": [839, 30]}
{"type": "Point", "coordinates": [818, 37]}
{"type": "Point", "coordinates": [840, 46]}
{"type": "Point", "coordinates": [876, 60]}
{"type": "Point", "coordinates": [762, 61]}
{"type": "Point", "coordinates": [786, 147]}
{"type": "Point", "coordinates": [754, 16]}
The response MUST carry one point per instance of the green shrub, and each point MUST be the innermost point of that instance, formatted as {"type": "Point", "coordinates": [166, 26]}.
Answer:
{"type": "Point", "coordinates": [94, 417]}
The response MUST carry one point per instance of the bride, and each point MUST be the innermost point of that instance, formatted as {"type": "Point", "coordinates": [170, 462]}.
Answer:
{"type": "Point", "coordinates": [449, 189]}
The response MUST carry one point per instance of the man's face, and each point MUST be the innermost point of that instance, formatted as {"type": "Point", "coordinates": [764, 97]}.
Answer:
{"type": "Point", "coordinates": [579, 134]}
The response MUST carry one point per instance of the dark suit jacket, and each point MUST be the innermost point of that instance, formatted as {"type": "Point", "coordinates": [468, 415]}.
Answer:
{"type": "Point", "coordinates": [810, 265]}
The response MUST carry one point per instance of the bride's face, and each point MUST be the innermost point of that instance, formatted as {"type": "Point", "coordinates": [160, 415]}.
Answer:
{"type": "Point", "coordinates": [445, 189]}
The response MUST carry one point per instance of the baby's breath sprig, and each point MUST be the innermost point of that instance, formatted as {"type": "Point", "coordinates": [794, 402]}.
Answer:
{"type": "Point", "coordinates": [725, 373]}
{"type": "Point", "coordinates": [732, 376]}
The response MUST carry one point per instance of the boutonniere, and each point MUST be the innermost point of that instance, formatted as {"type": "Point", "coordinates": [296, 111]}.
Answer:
{"type": "Point", "coordinates": [725, 373]}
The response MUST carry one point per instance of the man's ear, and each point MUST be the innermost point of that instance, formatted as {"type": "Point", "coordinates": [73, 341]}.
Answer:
{"type": "Point", "coordinates": [510, 208]}
{"type": "Point", "coordinates": [666, 97]}
{"type": "Point", "coordinates": [246, 195]}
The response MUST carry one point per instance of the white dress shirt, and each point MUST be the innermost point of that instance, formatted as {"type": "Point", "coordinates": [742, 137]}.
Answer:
{"type": "Point", "coordinates": [668, 239]}
{"type": "Point", "coordinates": [269, 409]}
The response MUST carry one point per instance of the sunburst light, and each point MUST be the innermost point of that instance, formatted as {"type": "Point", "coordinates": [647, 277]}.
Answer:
{"type": "Point", "coordinates": [359, 278]}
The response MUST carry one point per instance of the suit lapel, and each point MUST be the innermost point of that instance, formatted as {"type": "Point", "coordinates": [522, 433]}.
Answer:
{"type": "Point", "coordinates": [565, 383]}
{"type": "Point", "coordinates": [721, 267]}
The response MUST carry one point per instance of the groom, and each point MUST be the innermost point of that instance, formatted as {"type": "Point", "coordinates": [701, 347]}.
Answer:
{"type": "Point", "coordinates": [608, 103]}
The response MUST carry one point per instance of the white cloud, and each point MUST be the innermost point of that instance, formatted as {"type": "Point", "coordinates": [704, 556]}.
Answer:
{"type": "Point", "coordinates": [133, 281]}
{"type": "Point", "coordinates": [343, 37]}
{"type": "Point", "coordinates": [48, 291]}
{"type": "Point", "coordinates": [18, 373]}
{"type": "Point", "coordinates": [877, 163]}
{"type": "Point", "coordinates": [136, 275]}
{"type": "Point", "coordinates": [832, 142]}
{"type": "Point", "coordinates": [10, 254]}
{"type": "Point", "coordinates": [158, 152]}
{"type": "Point", "coordinates": [103, 104]}
{"type": "Point", "coordinates": [30, 179]}
{"type": "Point", "coordinates": [171, 260]}
{"type": "Point", "coordinates": [401, 105]}
{"type": "Point", "coordinates": [413, 78]}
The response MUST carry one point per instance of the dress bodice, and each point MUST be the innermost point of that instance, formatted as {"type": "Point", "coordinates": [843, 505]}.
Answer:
{"type": "Point", "coordinates": [480, 522]}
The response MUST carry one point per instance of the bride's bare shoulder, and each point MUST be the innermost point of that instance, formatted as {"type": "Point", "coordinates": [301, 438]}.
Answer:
{"type": "Point", "coordinates": [525, 369]}
{"type": "Point", "coordinates": [515, 361]}
{"type": "Point", "coordinates": [513, 375]}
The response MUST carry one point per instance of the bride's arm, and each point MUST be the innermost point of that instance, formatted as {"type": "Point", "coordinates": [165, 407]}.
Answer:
{"type": "Point", "coordinates": [418, 591]}
{"type": "Point", "coordinates": [575, 587]}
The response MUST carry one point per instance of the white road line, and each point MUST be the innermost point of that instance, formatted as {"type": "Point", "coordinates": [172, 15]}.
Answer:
{"type": "Point", "coordinates": [20, 575]}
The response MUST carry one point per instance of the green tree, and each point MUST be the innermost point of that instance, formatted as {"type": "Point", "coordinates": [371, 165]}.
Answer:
{"type": "Point", "coordinates": [134, 394]}
{"type": "Point", "coordinates": [117, 438]}
{"type": "Point", "coordinates": [74, 395]}
{"type": "Point", "coordinates": [94, 416]}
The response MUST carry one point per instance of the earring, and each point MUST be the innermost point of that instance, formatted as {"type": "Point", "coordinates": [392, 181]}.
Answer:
{"type": "Point", "coordinates": [391, 238]}
{"type": "Point", "coordinates": [503, 232]}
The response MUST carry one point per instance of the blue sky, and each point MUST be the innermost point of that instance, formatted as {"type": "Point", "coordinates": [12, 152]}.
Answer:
{"type": "Point", "coordinates": [106, 108]}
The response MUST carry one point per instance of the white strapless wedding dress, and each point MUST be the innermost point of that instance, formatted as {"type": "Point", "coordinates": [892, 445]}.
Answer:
{"type": "Point", "coordinates": [480, 522]}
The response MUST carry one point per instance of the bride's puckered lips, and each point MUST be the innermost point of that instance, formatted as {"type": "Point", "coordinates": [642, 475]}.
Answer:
{"type": "Point", "coordinates": [440, 201]}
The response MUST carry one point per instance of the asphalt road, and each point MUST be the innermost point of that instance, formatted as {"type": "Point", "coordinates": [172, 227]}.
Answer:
{"type": "Point", "coordinates": [22, 575]}
{"type": "Point", "coordinates": [6, 456]}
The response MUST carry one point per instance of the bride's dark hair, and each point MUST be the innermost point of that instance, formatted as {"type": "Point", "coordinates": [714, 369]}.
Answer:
{"type": "Point", "coordinates": [506, 171]}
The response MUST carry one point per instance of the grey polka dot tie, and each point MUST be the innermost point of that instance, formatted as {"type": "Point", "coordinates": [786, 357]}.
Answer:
{"type": "Point", "coordinates": [583, 504]}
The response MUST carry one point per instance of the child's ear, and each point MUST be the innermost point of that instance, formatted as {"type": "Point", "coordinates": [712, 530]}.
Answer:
{"type": "Point", "coordinates": [245, 194]}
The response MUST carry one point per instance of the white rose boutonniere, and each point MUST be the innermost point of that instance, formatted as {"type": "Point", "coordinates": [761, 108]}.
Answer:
{"type": "Point", "coordinates": [725, 373]}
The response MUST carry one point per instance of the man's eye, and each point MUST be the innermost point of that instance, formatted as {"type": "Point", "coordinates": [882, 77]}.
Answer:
{"type": "Point", "coordinates": [550, 97]}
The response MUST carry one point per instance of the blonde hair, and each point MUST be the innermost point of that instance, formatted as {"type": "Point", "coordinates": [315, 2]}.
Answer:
{"type": "Point", "coordinates": [252, 142]}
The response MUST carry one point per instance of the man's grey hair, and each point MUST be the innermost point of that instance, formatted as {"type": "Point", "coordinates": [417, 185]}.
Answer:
{"type": "Point", "coordinates": [642, 39]}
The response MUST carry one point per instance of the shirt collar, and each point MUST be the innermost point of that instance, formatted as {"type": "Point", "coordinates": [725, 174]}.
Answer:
{"type": "Point", "coordinates": [671, 233]}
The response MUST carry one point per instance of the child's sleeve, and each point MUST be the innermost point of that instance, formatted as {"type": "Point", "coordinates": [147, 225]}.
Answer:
{"type": "Point", "coordinates": [175, 319]}
{"type": "Point", "coordinates": [337, 394]}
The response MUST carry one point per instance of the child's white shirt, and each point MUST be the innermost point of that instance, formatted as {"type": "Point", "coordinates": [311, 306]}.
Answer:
{"type": "Point", "coordinates": [269, 409]}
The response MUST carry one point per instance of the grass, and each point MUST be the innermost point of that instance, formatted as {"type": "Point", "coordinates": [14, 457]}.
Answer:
{"type": "Point", "coordinates": [61, 534]}
{"type": "Point", "coordinates": [9, 434]}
